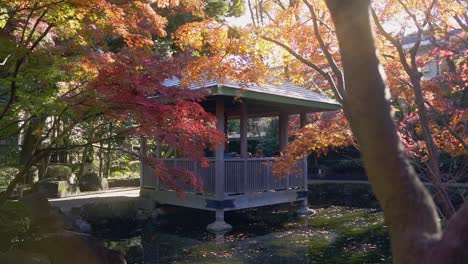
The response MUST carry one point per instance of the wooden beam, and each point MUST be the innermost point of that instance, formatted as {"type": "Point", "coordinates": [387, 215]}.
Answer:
{"type": "Point", "coordinates": [283, 130]}
{"type": "Point", "coordinates": [243, 130]}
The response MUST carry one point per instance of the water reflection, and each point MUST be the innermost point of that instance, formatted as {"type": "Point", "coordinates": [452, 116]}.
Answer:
{"type": "Point", "coordinates": [236, 246]}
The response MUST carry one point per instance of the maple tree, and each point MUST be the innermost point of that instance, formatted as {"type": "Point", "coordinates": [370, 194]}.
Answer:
{"type": "Point", "coordinates": [410, 84]}
{"type": "Point", "coordinates": [409, 211]}
{"type": "Point", "coordinates": [276, 26]}
{"type": "Point", "coordinates": [309, 55]}
{"type": "Point", "coordinates": [324, 132]}
{"type": "Point", "coordinates": [99, 59]}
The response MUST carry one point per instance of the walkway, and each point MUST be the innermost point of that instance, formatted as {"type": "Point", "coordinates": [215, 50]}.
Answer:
{"type": "Point", "coordinates": [107, 196]}
{"type": "Point", "coordinates": [314, 181]}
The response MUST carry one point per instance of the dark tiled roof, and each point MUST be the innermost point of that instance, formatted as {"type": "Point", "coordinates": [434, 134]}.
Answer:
{"type": "Point", "coordinates": [279, 89]}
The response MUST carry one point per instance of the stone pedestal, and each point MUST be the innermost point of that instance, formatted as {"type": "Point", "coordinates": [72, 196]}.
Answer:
{"type": "Point", "coordinates": [219, 226]}
{"type": "Point", "coordinates": [305, 211]}
{"type": "Point", "coordinates": [52, 188]}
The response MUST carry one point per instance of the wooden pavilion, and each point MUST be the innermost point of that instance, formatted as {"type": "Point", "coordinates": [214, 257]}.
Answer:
{"type": "Point", "coordinates": [242, 182]}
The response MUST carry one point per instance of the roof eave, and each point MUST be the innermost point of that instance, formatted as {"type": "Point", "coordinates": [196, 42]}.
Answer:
{"type": "Point", "coordinates": [229, 91]}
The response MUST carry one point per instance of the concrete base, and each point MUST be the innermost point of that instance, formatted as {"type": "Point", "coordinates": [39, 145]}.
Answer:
{"type": "Point", "coordinates": [219, 227]}
{"type": "Point", "coordinates": [305, 211]}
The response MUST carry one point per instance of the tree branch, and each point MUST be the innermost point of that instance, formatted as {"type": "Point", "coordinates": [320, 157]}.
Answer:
{"type": "Point", "coordinates": [38, 20]}
{"type": "Point", "coordinates": [331, 61]}
{"type": "Point", "coordinates": [326, 75]}
{"type": "Point", "coordinates": [396, 43]}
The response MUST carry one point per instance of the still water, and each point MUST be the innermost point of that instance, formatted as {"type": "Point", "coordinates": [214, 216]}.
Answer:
{"type": "Point", "coordinates": [262, 235]}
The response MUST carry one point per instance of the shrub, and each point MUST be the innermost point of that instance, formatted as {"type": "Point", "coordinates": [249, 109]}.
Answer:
{"type": "Point", "coordinates": [15, 224]}
{"type": "Point", "coordinates": [59, 172]}
{"type": "Point", "coordinates": [7, 174]}
{"type": "Point", "coordinates": [340, 166]}
{"type": "Point", "coordinates": [90, 168]}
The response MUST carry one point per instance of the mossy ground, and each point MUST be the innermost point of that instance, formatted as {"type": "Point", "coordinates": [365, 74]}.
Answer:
{"type": "Point", "coordinates": [361, 237]}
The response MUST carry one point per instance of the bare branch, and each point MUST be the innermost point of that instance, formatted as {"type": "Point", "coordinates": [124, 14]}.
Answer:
{"type": "Point", "coordinates": [38, 20]}
{"type": "Point", "coordinates": [42, 36]}
{"type": "Point", "coordinates": [312, 65]}
{"type": "Point", "coordinates": [26, 23]}
{"type": "Point", "coordinates": [331, 61]}
{"type": "Point", "coordinates": [396, 43]}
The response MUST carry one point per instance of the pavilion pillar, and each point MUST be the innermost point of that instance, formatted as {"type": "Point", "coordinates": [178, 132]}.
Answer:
{"type": "Point", "coordinates": [304, 210]}
{"type": "Point", "coordinates": [219, 225]}
{"type": "Point", "coordinates": [283, 130]}
{"type": "Point", "coordinates": [243, 131]}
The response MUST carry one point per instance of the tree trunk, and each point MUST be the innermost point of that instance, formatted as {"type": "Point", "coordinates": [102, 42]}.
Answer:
{"type": "Point", "coordinates": [101, 163]}
{"type": "Point", "coordinates": [43, 165]}
{"type": "Point", "coordinates": [30, 139]}
{"type": "Point", "coordinates": [109, 152]}
{"type": "Point", "coordinates": [442, 197]}
{"type": "Point", "coordinates": [30, 144]}
{"type": "Point", "coordinates": [88, 152]}
{"type": "Point", "coordinates": [409, 210]}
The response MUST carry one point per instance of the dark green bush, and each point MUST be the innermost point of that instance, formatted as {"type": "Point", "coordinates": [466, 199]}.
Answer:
{"type": "Point", "coordinates": [15, 224]}
{"type": "Point", "coordinates": [345, 165]}
{"type": "Point", "coordinates": [59, 172]}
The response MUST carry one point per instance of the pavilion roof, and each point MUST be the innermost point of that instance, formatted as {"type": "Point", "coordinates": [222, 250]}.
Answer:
{"type": "Point", "coordinates": [281, 92]}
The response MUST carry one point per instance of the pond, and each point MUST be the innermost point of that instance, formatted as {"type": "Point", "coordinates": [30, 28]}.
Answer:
{"type": "Point", "coordinates": [271, 234]}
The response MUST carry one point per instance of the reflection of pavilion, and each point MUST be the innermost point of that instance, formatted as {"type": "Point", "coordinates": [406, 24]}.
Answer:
{"type": "Point", "coordinates": [237, 183]}
{"type": "Point", "coordinates": [288, 246]}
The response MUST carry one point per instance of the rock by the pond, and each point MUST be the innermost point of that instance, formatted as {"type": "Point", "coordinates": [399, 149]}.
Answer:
{"type": "Point", "coordinates": [23, 257]}
{"type": "Point", "coordinates": [135, 254]}
{"type": "Point", "coordinates": [73, 248]}
{"type": "Point", "coordinates": [92, 182]}
{"type": "Point", "coordinates": [54, 188]}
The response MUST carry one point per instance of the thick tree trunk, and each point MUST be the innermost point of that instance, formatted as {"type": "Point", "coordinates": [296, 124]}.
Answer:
{"type": "Point", "coordinates": [43, 165]}
{"type": "Point", "coordinates": [30, 139]}
{"type": "Point", "coordinates": [408, 208]}
{"type": "Point", "coordinates": [409, 211]}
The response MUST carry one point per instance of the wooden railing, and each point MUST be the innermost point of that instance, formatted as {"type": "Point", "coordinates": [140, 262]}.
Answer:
{"type": "Point", "coordinates": [241, 176]}
{"type": "Point", "coordinates": [256, 175]}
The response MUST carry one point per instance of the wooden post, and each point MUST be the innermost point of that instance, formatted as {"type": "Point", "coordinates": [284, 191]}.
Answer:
{"type": "Point", "coordinates": [219, 153]}
{"type": "Point", "coordinates": [243, 142]}
{"type": "Point", "coordinates": [303, 122]}
{"type": "Point", "coordinates": [283, 130]}
{"type": "Point", "coordinates": [219, 225]}
{"type": "Point", "coordinates": [283, 136]}
{"type": "Point", "coordinates": [304, 210]}
{"type": "Point", "coordinates": [243, 131]}
{"type": "Point", "coordinates": [225, 129]}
